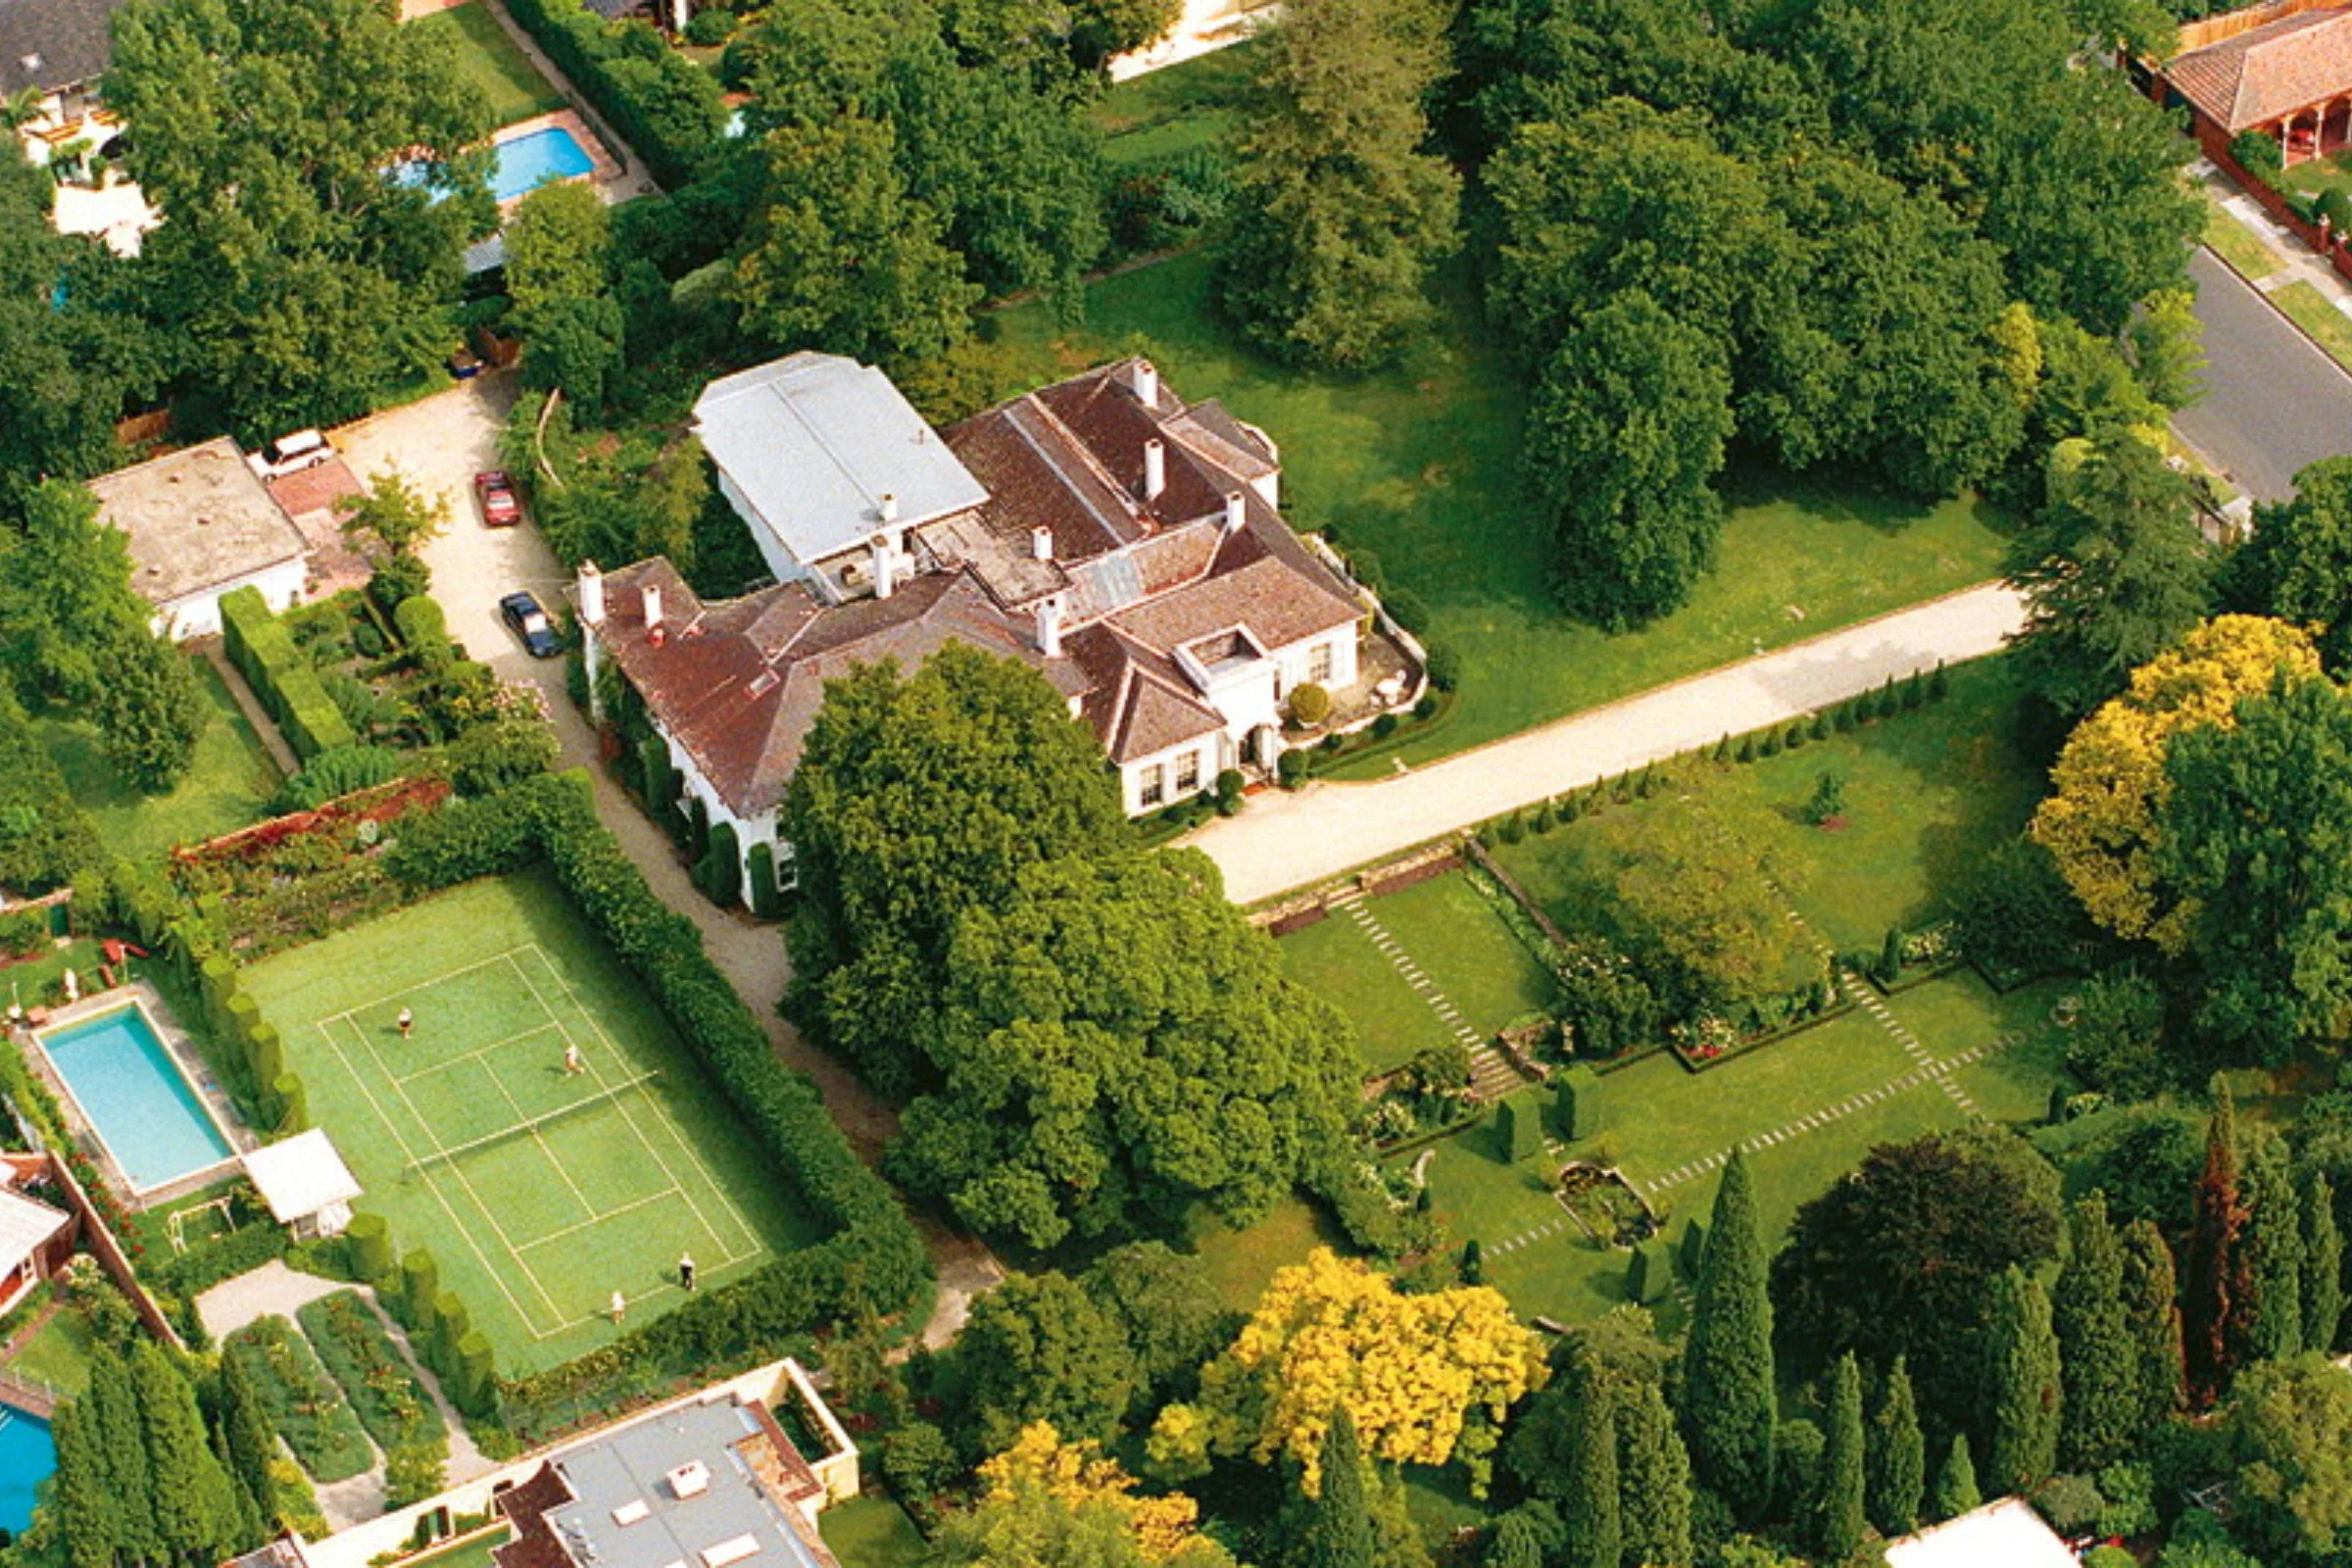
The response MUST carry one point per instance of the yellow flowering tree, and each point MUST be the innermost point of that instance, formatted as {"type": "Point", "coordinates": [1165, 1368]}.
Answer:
{"type": "Point", "coordinates": [2110, 786]}
{"type": "Point", "coordinates": [1413, 1372]}
{"type": "Point", "coordinates": [1076, 1476]}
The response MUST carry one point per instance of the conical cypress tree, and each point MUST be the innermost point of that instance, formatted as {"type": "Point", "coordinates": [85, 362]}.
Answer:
{"type": "Point", "coordinates": [85, 1506]}
{"type": "Point", "coordinates": [2274, 1255]}
{"type": "Point", "coordinates": [1955, 1491]}
{"type": "Point", "coordinates": [195, 1501]}
{"type": "Point", "coordinates": [2022, 1396]}
{"type": "Point", "coordinates": [112, 1411]}
{"type": "Point", "coordinates": [246, 1444]}
{"type": "Point", "coordinates": [2217, 1288]}
{"type": "Point", "coordinates": [1474, 1263]}
{"type": "Point", "coordinates": [2153, 1312]}
{"type": "Point", "coordinates": [1723, 747]}
{"type": "Point", "coordinates": [1339, 1529]}
{"type": "Point", "coordinates": [2322, 1267]}
{"type": "Point", "coordinates": [1897, 1455]}
{"type": "Point", "coordinates": [1728, 1405]}
{"type": "Point", "coordinates": [246, 1513]}
{"type": "Point", "coordinates": [2097, 1355]}
{"type": "Point", "coordinates": [1841, 1527]}
{"type": "Point", "coordinates": [1654, 1481]}
{"type": "Point", "coordinates": [1589, 1490]}
{"type": "Point", "coordinates": [1516, 1543]}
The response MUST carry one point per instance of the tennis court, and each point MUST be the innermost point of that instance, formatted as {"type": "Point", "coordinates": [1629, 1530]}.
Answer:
{"type": "Point", "coordinates": [539, 1128]}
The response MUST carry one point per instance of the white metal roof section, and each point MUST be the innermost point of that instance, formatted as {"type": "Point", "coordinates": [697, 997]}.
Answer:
{"type": "Point", "coordinates": [2007, 1534]}
{"type": "Point", "coordinates": [814, 442]}
{"type": "Point", "coordinates": [301, 1175]}
{"type": "Point", "coordinates": [24, 1225]}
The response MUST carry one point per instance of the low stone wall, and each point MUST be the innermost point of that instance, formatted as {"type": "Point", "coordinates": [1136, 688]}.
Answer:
{"type": "Point", "coordinates": [1302, 910]}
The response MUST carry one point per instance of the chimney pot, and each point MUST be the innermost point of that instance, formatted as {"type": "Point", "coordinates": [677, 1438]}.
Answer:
{"type": "Point", "coordinates": [887, 509]}
{"type": "Point", "coordinates": [1236, 511]}
{"type": "Point", "coordinates": [886, 564]}
{"type": "Point", "coordinates": [1041, 543]}
{"type": "Point", "coordinates": [1049, 626]}
{"type": "Point", "coordinates": [1156, 468]}
{"type": "Point", "coordinates": [1147, 383]}
{"type": "Point", "coordinates": [592, 594]}
{"type": "Point", "coordinates": [653, 607]}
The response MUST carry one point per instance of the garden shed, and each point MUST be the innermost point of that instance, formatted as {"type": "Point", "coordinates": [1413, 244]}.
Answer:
{"type": "Point", "coordinates": [305, 1182]}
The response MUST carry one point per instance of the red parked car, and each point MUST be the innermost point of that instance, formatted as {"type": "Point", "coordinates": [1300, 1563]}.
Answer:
{"type": "Point", "coordinates": [501, 506]}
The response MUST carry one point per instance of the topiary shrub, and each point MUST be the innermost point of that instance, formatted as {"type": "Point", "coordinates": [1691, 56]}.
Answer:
{"type": "Point", "coordinates": [1544, 820]}
{"type": "Point", "coordinates": [1795, 736]}
{"type": "Point", "coordinates": [708, 28]}
{"type": "Point", "coordinates": [1578, 1107]}
{"type": "Point", "coordinates": [1819, 729]}
{"type": "Point", "coordinates": [1723, 747]}
{"type": "Point", "coordinates": [1310, 703]}
{"type": "Point", "coordinates": [1511, 829]}
{"type": "Point", "coordinates": [1939, 683]}
{"type": "Point", "coordinates": [1846, 718]}
{"type": "Point", "coordinates": [1520, 1123]}
{"type": "Point", "coordinates": [1290, 769]}
{"type": "Point", "coordinates": [419, 1284]}
{"type": "Point", "coordinates": [759, 882]}
{"type": "Point", "coordinates": [1915, 691]}
{"type": "Point", "coordinates": [1748, 748]}
{"type": "Point", "coordinates": [1426, 708]}
{"type": "Point", "coordinates": [292, 1104]}
{"type": "Point", "coordinates": [1650, 1273]}
{"type": "Point", "coordinates": [1772, 743]}
{"type": "Point", "coordinates": [1384, 726]}
{"type": "Point", "coordinates": [1445, 666]}
{"type": "Point", "coordinates": [1230, 785]}
{"type": "Point", "coordinates": [370, 1243]}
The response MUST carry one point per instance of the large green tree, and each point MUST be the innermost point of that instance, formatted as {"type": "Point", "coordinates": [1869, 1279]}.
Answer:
{"type": "Point", "coordinates": [2100, 1360]}
{"type": "Point", "coordinates": [1168, 1304]}
{"type": "Point", "coordinates": [1339, 1530]}
{"type": "Point", "coordinates": [86, 1510]}
{"type": "Point", "coordinates": [2297, 563]}
{"type": "Point", "coordinates": [2274, 1253]}
{"type": "Point", "coordinates": [1341, 209]}
{"type": "Point", "coordinates": [1729, 1406]}
{"type": "Point", "coordinates": [112, 1407]}
{"type": "Point", "coordinates": [1841, 1521]}
{"type": "Point", "coordinates": [1038, 1348]}
{"type": "Point", "coordinates": [1588, 1494]}
{"type": "Point", "coordinates": [2322, 1267]}
{"type": "Point", "coordinates": [1653, 1478]}
{"type": "Point", "coordinates": [195, 1503]}
{"type": "Point", "coordinates": [2253, 832]}
{"type": "Point", "coordinates": [247, 1446]}
{"type": "Point", "coordinates": [301, 279]}
{"type": "Point", "coordinates": [2290, 1428]}
{"type": "Point", "coordinates": [1898, 1455]}
{"type": "Point", "coordinates": [2023, 1403]}
{"type": "Point", "coordinates": [2152, 1311]}
{"type": "Point", "coordinates": [1900, 1258]}
{"type": "Point", "coordinates": [559, 245]}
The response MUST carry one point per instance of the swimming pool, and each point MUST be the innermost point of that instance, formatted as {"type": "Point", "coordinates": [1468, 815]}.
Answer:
{"type": "Point", "coordinates": [26, 1459]}
{"type": "Point", "coordinates": [146, 1113]}
{"type": "Point", "coordinates": [518, 166]}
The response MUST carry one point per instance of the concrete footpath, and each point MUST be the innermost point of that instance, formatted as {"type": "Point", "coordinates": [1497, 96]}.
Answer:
{"type": "Point", "coordinates": [1285, 840]}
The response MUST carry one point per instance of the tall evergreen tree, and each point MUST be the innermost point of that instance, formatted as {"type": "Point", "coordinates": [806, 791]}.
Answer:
{"type": "Point", "coordinates": [1516, 1543]}
{"type": "Point", "coordinates": [113, 1413]}
{"type": "Point", "coordinates": [1653, 1481]}
{"type": "Point", "coordinates": [245, 1514]}
{"type": "Point", "coordinates": [1897, 1455]}
{"type": "Point", "coordinates": [1588, 1502]}
{"type": "Point", "coordinates": [196, 1512]}
{"type": "Point", "coordinates": [2022, 1396]}
{"type": "Point", "coordinates": [2215, 1293]}
{"type": "Point", "coordinates": [90, 1522]}
{"type": "Point", "coordinates": [1840, 1526]}
{"type": "Point", "coordinates": [2322, 1267]}
{"type": "Point", "coordinates": [1955, 1491]}
{"type": "Point", "coordinates": [1728, 1377]}
{"type": "Point", "coordinates": [2152, 1311]}
{"type": "Point", "coordinates": [1339, 1529]}
{"type": "Point", "coordinates": [246, 1444]}
{"type": "Point", "coordinates": [2097, 1358]}
{"type": "Point", "coordinates": [2274, 1241]}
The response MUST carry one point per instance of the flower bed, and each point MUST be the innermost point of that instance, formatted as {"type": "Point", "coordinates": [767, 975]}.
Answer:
{"type": "Point", "coordinates": [303, 1406]}
{"type": "Point", "coordinates": [1602, 1201]}
{"type": "Point", "coordinates": [383, 1390]}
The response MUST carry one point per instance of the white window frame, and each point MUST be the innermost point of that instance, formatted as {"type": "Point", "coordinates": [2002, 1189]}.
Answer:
{"type": "Point", "coordinates": [1184, 785]}
{"type": "Point", "coordinates": [1151, 784]}
{"type": "Point", "coordinates": [1321, 660]}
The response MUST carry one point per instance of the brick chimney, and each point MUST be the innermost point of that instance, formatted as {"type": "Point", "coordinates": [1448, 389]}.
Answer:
{"type": "Point", "coordinates": [1156, 468]}
{"type": "Point", "coordinates": [1237, 511]}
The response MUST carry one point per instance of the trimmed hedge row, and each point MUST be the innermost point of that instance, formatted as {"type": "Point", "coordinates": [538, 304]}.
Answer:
{"type": "Point", "coordinates": [662, 104]}
{"type": "Point", "coordinates": [873, 1258]}
{"type": "Point", "coordinates": [280, 676]}
{"type": "Point", "coordinates": [235, 1019]}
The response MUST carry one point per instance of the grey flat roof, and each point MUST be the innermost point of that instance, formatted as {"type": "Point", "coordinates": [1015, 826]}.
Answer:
{"type": "Point", "coordinates": [630, 1465]}
{"type": "Point", "coordinates": [196, 518]}
{"type": "Point", "coordinates": [814, 441]}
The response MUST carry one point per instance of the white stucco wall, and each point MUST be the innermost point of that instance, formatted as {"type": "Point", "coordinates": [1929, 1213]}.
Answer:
{"type": "Point", "coordinates": [747, 831]}
{"type": "Point", "coordinates": [199, 614]}
{"type": "Point", "coordinates": [1215, 754]}
{"type": "Point", "coordinates": [783, 562]}
{"type": "Point", "coordinates": [1298, 659]}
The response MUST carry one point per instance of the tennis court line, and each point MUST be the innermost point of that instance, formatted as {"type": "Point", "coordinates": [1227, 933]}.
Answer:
{"type": "Point", "coordinates": [455, 1224]}
{"type": "Point", "coordinates": [610, 1213]}
{"type": "Point", "coordinates": [427, 985]}
{"type": "Point", "coordinates": [473, 1055]}
{"type": "Point", "coordinates": [744, 1229]}
{"type": "Point", "coordinates": [538, 1133]}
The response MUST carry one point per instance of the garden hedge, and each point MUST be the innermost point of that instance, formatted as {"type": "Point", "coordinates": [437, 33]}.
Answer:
{"type": "Point", "coordinates": [768, 901]}
{"type": "Point", "coordinates": [662, 104]}
{"type": "Point", "coordinates": [419, 1288]}
{"type": "Point", "coordinates": [424, 631]}
{"type": "Point", "coordinates": [1580, 1102]}
{"type": "Point", "coordinates": [722, 865]}
{"type": "Point", "coordinates": [1650, 1273]}
{"type": "Point", "coordinates": [871, 1256]}
{"type": "Point", "coordinates": [283, 680]}
{"type": "Point", "coordinates": [370, 1246]}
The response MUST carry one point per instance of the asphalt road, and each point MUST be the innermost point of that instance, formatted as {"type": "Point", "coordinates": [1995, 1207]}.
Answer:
{"type": "Point", "coordinates": [2273, 402]}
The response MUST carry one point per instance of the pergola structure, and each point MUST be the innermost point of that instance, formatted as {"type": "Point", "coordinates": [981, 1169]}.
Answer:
{"type": "Point", "coordinates": [2289, 77]}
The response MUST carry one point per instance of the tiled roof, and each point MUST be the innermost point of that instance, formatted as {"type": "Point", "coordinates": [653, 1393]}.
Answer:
{"type": "Point", "coordinates": [53, 43]}
{"type": "Point", "coordinates": [527, 1503]}
{"type": "Point", "coordinates": [2269, 71]}
{"type": "Point", "coordinates": [1140, 704]}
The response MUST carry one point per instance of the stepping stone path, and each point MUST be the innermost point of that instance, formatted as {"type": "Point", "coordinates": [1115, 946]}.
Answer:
{"type": "Point", "coordinates": [1492, 1075]}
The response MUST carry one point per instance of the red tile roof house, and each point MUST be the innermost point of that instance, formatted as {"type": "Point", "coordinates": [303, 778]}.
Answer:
{"type": "Point", "coordinates": [2283, 70]}
{"type": "Point", "coordinates": [1124, 543]}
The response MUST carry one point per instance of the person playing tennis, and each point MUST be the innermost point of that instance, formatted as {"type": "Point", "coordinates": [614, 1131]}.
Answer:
{"type": "Point", "coordinates": [573, 1063]}
{"type": "Point", "coordinates": [406, 1022]}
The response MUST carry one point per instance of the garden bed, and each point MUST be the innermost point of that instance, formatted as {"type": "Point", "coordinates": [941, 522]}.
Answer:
{"type": "Point", "coordinates": [358, 1352]}
{"type": "Point", "coordinates": [1604, 1205]}
{"type": "Point", "coordinates": [303, 1404]}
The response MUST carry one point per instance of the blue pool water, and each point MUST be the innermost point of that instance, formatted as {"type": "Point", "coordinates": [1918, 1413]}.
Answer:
{"type": "Point", "coordinates": [26, 1459]}
{"type": "Point", "coordinates": [142, 1104]}
{"type": "Point", "coordinates": [519, 166]}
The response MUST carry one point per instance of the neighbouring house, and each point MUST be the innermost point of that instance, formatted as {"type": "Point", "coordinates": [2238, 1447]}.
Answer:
{"type": "Point", "coordinates": [57, 50]}
{"type": "Point", "coordinates": [736, 1473]}
{"type": "Point", "coordinates": [201, 524]}
{"type": "Point", "coordinates": [2007, 1533]}
{"type": "Point", "coordinates": [36, 1241]}
{"type": "Point", "coordinates": [2282, 70]}
{"type": "Point", "coordinates": [1126, 544]}
{"type": "Point", "coordinates": [303, 1180]}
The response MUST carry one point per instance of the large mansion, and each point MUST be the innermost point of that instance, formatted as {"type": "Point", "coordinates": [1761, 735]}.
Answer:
{"type": "Point", "coordinates": [1124, 543]}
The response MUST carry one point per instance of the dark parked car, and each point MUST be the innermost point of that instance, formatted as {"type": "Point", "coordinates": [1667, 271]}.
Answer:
{"type": "Point", "coordinates": [501, 508]}
{"type": "Point", "coordinates": [530, 624]}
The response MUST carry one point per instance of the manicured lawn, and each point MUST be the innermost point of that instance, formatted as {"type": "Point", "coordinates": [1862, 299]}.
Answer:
{"type": "Point", "coordinates": [488, 64]}
{"type": "Point", "coordinates": [1417, 466]}
{"type": "Point", "coordinates": [870, 1531]}
{"type": "Point", "coordinates": [1336, 960]}
{"type": "Point", "coordinates": [227, 787]}
{"type": "Point", "coordinates": [1243, 1262]}
{"type": "Point", "coordinates": [2314, 175]}
{"type": "Point", "coordinates": [2309, 309]}
{"type": "Point", "coordinates": [539, 1192]}
{"type": "Point", "coordinates": [1175, 110]}
{"type": "Point", "coordinates": [474, 1553]}
{"type": "Point", "coordinates": [2233, 243]}
{"type": "Point", "coordinates": [59, 1354]}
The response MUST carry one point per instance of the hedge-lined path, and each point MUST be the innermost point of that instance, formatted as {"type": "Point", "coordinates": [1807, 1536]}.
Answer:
{"type": "Point", "coordinates": [273, 738]}
{"type": "Point", "coordinates": [1491, 1075]}
{"type": "Point", "coordinates": [439, 443]}
{"type": "Point", "coordinates": [1281, 841]}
